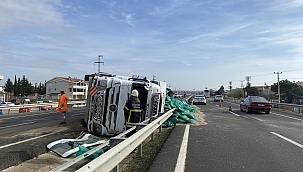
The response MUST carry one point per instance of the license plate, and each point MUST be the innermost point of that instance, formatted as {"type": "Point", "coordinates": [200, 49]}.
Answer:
{"type": "Point", "coordinates": [261, 105]}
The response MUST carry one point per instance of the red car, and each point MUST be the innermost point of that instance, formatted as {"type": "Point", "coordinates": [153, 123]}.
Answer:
{"type": "Point", "coordinates": [48, 108]}
{"type": "Point", "coordinates": [255, 104]}
{"type": "Point", "coordinates": [25, 109]}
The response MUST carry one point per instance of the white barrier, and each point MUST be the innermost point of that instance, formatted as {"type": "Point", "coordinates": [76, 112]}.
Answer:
{"type": "Point", "coordinates": [6, 110]}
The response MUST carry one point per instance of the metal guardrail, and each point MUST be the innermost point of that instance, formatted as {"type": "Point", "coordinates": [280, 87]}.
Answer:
{"type": "Point", "coordinates": [110, 160]}
{"type": "Point", "coordinates": [291, 107]}
{"type": "Point", "coordinates": [11, 108]}
{"type": "Point", "coordinates": [283, 106]}
{"type": "Point", "coordinates": [120, 147]}
{"type": "Point", "coordinates": [189, 98]}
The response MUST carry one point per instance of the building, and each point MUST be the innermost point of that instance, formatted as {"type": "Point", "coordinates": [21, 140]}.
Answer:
{"type": "Point", "coordinates": [2, 94]}
{"type": "Point", "coordinates": [264, 91]}
{"type": "Point", "coordinates": [300, 83]}
{"type": "Point", "coordinates": [75, 89]}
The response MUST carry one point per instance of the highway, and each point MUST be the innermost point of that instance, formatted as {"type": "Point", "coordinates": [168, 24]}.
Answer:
{"type": "Point", "coordinates": [230, 142]}
{"type": "Point", "coordinates": [235, 141]}
{"type": "Point", "coordinates": [25, 136]}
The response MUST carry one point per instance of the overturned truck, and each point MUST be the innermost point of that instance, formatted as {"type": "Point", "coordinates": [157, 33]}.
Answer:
{"type": "Point", "coordinates": [107, 96]}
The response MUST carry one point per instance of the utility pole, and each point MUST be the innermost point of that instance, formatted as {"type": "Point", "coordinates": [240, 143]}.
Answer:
{"type": "Point", "coordinates": [242, 86]}
{"type": "Point", "coordinates": [279, 94]}
{"type": "Point", "coordinates": [247, 78]}
{"type": "Point", "coordinates": [99, 62]}
{"type": "Point", "coordinates": [230, 86]}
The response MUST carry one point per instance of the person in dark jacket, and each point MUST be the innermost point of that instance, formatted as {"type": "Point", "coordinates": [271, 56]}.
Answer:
{"type": "Point", "coordinates": [133, 109]}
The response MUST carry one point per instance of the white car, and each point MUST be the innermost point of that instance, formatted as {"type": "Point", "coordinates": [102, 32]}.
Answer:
{"type": "Point", "coordinates": [199, 99]}
{"type": "Point", "coordinates": [218, 98]}
{"type": "Point", "coordinates": [78, 105]}
{"type": "Point", "coordinates": [7, 104]}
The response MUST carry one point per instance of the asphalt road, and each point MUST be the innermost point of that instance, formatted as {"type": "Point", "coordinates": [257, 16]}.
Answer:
{"type": "Point", "coordinates": [25, 136]}
{"type": "Point", "coordinates": [237, 141]}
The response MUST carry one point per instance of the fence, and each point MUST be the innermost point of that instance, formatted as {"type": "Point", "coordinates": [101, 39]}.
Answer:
{"type": "Point", "coordinates": [11, 109]}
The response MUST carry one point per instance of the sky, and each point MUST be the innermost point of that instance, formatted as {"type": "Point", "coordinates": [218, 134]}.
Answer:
{"type": "Point", "coordinates": [191, 44]}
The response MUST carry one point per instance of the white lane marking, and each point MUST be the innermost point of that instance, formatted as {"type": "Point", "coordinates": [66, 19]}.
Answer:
{"type": "Point", "coordinates": [10, 126]}
{"type": "Point", "coordinates": [16, 117]}
{"type": "Point", "coordinates": [287, 139]}
{"type": "Point", "coordinates": [27, 140]}
{"type": "Point", "coordinates": [250, 117]}
{"type": "Point", "coordinates": [180, 166]}
{"type": "Point", "coordinates": [234, 103]}
{"type": "Point", "coordinates": [256, 118]}
{"type": "Point", "coordinates": [286, 116]}
{"type": "Point", "coordinates": [234, 113]}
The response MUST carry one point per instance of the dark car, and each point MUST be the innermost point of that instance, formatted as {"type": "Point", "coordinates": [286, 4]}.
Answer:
{"type": "Point", "coordinates": [255, 104]}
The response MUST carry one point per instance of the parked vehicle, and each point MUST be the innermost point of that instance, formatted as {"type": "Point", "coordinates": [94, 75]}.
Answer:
{"type": "Point", "coordinates": [218, 98]}
{"type": "Point", "coordinates": [48, 107]}
{"type": "Point", "coordinates": [7, 104]}
{"type": "Point", "coordinates": [255, 104]}
{"type": "Point", "coordinates": [25, 109]}
{"type": "Point", "coordinates": [207, 93]}
{"type": "Point", "coordinates": [79, 105]}
{"type": "Point", "coordinates": [199, 99]}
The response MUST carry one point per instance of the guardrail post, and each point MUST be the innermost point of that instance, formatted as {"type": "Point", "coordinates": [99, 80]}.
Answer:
{"type": "Point", "coordinates": [116, 169]}
{"type": "Point", "coordinates": [160, 129]}
{"type": "Point", "coordinates": [140, 149]}
{"type": "Point", "coordinates": [152, 136]}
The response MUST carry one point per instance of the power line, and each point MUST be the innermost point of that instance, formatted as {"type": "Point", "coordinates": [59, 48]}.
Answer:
{"type": "Point", "coordinates": [293, 70]}
{"type": "Point", "coordinates": [260, 75]}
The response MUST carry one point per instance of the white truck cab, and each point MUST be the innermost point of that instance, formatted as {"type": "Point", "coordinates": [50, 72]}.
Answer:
{"type": "Point", "coordinates": [107, 96]}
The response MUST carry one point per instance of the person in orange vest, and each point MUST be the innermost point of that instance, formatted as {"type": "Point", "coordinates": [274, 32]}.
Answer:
{"type": "Point", "coordinates": [62, 106]}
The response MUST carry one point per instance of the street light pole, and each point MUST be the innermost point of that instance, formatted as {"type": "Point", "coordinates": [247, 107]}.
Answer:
{"type": "Point", "coordinates": [99, 62]}
{"type": "Point", "coordinates": [279, 94]}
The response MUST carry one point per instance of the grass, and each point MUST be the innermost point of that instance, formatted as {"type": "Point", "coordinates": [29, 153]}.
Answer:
{"type": "Point", "coordinates": [136, 163]}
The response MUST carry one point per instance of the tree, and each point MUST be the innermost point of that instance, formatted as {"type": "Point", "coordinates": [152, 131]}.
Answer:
{"type": "Point", "coordinates": [22, 87]}
{"type": "Point", "coordinates": [290, 92]}
{"type": "Point", "coordinates": [9, 86]}
{"type": "Point", "coordinates": [18, 87]}
{"type": "Point", "coordinates": [220, 91]}
{"type": "Point", "coordinates": [236, 93]}
{"type": "Point", "coordinates": [15, 85]}
{"type": "Point", "coordinates": [251, 91]}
